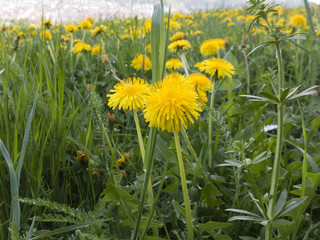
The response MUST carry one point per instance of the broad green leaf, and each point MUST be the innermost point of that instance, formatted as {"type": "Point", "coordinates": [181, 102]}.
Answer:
{"type": "Point", "coordinates": [211, 226]}
{"type": "Point", "coordinates": [230, 84]}
{"type": "Point", "coordinates": [284, 228]}
{"type": "Point", "coordinates": [113, 193]}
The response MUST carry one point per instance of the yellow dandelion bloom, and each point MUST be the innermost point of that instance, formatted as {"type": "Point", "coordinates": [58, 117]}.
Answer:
{"type": "Point", "coordinates": [298, 21]}
{"type": "Point", "coordinates": [98, 30]}
{"type": "Point", "coordinates": [172, 103]}
{"type": "Point", "coordinates": [85, 24]}
{"type": "Point", "coordinates": [71, 28]}
{"type": "Point", "coordinates": [211, 46]}
{"type": "Point", "coordinates": [179, 46]}
{"type": "Point", "coordinates": [174, 64]}
{"type": "Point", "coordinates": [198, 65]}
{"type": "Point", "coordinates": [89, 19]}
{"type": "Point", "coordinates": [147, 25]}
{"type": "Point", "coordinates": [178, 36]}
{"type": "Point", "coordinates": [195, 33]}
{"type": "Point", "coordinates": [240, 18]}
{"type": "Point", "coordinates": [177, 16]}
{"type": "Point", "coordinates": [219, 66]}
{"type": "Point", "coordinates": [175, 25]}
{"type": "Point", "coordinates": [129, 94]}
{"type": "Point", "coordinates": [200, 81]}
{"type": "Point", "coordinates": [96, 50]}
{"type": "Point", "coordinates": [45, 35]}
{"type": "Point", "coordinates": [148, 47]}
{"type": "Point", "coordinates": [249, 18]}
{"type": "Point", "coordinates": [202, 97]}
{"type": "Point", "coordinates": [81, 47]}
{"type": "Point", "coordinates": [47, 23]}
{"type": "Point", "coordinates": [137, 62]}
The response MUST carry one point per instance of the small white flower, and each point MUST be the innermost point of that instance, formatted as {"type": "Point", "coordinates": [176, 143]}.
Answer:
{"type": "Point", "coordinates": [269, 128]}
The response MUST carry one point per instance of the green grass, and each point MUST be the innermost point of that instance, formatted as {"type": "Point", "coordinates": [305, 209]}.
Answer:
{"type": "Point", "coordinates": [92, 199]}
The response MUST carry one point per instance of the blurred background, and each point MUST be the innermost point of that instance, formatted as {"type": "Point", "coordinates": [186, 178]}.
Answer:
{"type": "Point", "coordinates": [68, 10]}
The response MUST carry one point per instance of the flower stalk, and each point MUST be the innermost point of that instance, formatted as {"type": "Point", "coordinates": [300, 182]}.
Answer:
{"type": "Point", "coordinates": [278, 152]}
{"type": "Point", "coordinates": [213, 92]}
{"type": "Point", "coordinates": [184, 187]}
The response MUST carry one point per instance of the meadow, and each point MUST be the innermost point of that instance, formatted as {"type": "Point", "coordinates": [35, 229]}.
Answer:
{"type": "Point", "coordinates": [182, 126]}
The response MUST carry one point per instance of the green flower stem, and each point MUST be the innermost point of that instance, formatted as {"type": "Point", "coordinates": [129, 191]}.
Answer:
{"type": "Point", "coordinates": [141, 144]}
{"type": "Point", "coordinates": [185, 64]}
{"type": "Point", "coordinates": [184, 187]}
{"type": "Point", "coordinates": [194, 155]}
{"type": "Point", "coordinates": [210, 125]}
{"type": "Point", "coordinates": [278, 153]}
{"type": "Point", "coordinates": [143, 156]}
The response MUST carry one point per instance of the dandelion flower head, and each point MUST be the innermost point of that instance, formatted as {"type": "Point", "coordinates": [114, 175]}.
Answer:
{"type": "Point", "coordinates": [173, 102]}
{"type": "Point", "coordinates": [298, 20]}
{"type": "Point", "coordinates": [71, 28]}
{"type": "Point", "coordinates": [137, 62]}
{"type": "Point", "coordinates": [179, 46]}
{"type": "Point", "coordinates": [219, 66]}
{"type": "Point", "coordinates": [200, 81]}
{"type": "Point", "coordinates": [174, 64]}
{"type": "Point", "coordinates": [178, 36]}
{"type": "Point", "coordinates": [211, 46]}
{"type": "Point", "coordinates": [81, 47]}
{"type": "Point", "coordinates": [129, 94]}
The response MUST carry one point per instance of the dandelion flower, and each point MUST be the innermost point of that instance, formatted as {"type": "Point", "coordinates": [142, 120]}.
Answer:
{"type": "Point", "coordinates": [129, 94]}
{"type": "Point", "coordinates": [178, 36]}
{"type": "Point", "coordinates": [147, 25]}
{"type": "Point", "coordinates": [71, 28]}
{"type": "Point", "coordinates": [148, 47]}
{"type": "Point", "coordinates": [46, 35]}
{"type": "Point", "coordinates": [175, 25]}
{"type": "Point", "coordinates": [174, 64]}
{"type": "Point", "coordinates": [173, 102]}
{"type": "Point", "coordinates": [85, 24]}
{"type": "Point", "coordinates": [137, 62]}
{"type": "Point", "coordinates": [96, 50]}
{"type": "Point", "coordinates": [200, 81]}
{"type": "Point", "coordinates": [219, 66]}
{"type": "Point", "coordinates": [211, 46]}
{"type": "Point", "coordinates": [298, 21]}
{"type": "Point", "coordinates": [47, 23]}
{"type": "Point", "coordinates": [81, 47]}
{"type": "Point", "coordinates": [202, 97]}
{"type": "Point", "coordinates": [178, 46]}
{"type": "Point", "coordinates": [98, 30]}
